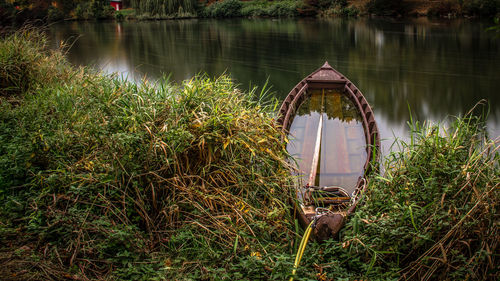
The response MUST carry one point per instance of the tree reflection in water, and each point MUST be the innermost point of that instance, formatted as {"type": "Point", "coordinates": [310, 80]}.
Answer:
{"type": "Point", "coordinates": [437, 68]}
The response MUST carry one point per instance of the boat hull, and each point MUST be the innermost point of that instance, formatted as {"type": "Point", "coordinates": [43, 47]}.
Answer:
{"type": "Point", "coordinates": [328, 223]}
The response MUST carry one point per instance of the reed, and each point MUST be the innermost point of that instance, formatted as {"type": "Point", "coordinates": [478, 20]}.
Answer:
{"type": "Point", "coordinates": [107, 174]}
{"type": "Point", "coordinates": [101, 178]}
{"type": "Point", "coordinates": [27, 63]}
{"type": "Point", "coordinates": [432, 215]}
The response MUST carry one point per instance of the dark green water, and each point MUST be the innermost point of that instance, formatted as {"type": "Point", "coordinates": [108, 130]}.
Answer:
{"type": "Point", "coordinates": [329, 122]}
{"type": "Point", "coordinates": [437, 68]}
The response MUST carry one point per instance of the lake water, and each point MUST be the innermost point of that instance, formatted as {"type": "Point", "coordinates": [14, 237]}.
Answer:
{"type": "Point", "coordinates": [435, 68]}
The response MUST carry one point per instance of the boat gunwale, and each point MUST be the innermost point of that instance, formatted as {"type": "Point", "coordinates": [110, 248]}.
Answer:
{"type": "Point", "coordinates": [372, 138]}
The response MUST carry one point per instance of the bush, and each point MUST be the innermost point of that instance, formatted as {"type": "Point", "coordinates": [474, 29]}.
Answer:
{"type": "Point", "coordinates": [148, 9]}
{"type": "Point", "coordinates": [129, 179]}
{"type": "Point", "coordinates": [26, 63]}
{"type": "Point", "coordinates": [283, 9]}
{"type": "Point", "coordinates": [253, 11]}
{"type": "Point", "coordinates": [119, 16]}
{"type": "Point", "coordinates": [100, 9]}
{"type": "Point", "coordinates": [342, 12]}
{"type": "Point", "coordinates": [82, 10]}
{"type": "Point", "coordinates": [271, 9]}
{"type": "Point", "coordinates": [224, 9]}
{"type": "Point", "coordinates": [443, 192]}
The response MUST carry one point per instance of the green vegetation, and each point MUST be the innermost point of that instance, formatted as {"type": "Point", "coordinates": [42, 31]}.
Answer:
{"type": "Point", "coordinates": [224, 9]}
{"type": "Point", "coordinates": [107, 178]}
{"type": "Point", "coordinates": [158, 9]}
{"type": "Point", "coordinates": [103, 178]}
{"type": "Point", "coordinates": [334, 8]}
{"type": "Point", "coordinates": [439, 190]}
{"type": "Point", "coordinates": [447, 8]}
{"type": "Point", "coordinates": [278, 9]}
{"type": "Point", "coordinates": [20, 11]}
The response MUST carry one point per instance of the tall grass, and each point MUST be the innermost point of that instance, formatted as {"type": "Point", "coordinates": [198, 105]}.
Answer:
{"type": "Point", "coordinates": [27, 63]}
{"type": "Point", "coordinates": [118, 179]}
{"type": "Point", "coordinates": [432, 216]}
{"type": "Point", "coordinates": [105, 179]}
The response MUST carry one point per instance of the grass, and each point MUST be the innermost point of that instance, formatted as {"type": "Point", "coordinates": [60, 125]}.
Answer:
{"type": "Point", "coordinates": [107, 174]}
{"type": "Point", "coordinates": [101, 178]}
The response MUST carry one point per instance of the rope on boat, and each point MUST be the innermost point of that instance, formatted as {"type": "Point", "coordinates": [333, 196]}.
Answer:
{"type": "Point", "coordinates": [302, 247]}
{"type": "Point", "coordinates": [356, 192]}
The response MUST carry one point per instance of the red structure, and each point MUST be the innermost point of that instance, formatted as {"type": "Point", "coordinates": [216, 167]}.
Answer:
{"type": "Point", "coordinates": [117, 4]}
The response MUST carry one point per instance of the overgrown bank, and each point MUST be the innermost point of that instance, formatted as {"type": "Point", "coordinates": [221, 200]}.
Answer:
{"type": "Point", "coordinates": [152, 9]}
{"type": "Point", "coordinates": [101, 178]}
{"type": "Point", "coordinates": [19, 11]}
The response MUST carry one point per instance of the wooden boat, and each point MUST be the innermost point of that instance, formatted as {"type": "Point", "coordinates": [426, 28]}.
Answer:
{"type": "Point", "coordinates": [332, 131]}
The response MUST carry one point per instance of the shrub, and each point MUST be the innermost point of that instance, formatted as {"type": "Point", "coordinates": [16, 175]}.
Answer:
{"type": "Point", "coordinates": [252, 11]}
{"type": "Point", "coordinates": [26, 63]}
{"type": "Point", "coordinates": [271, 9]}
{"type": "Point", "coordinates": [342, 12]}
{"type": "Point", "coordinates": [283, 9]}
{"type": "Point", "coordinates": [100, 9]}
{"type": "Point", "coordinates": [441, 193]}
{"type": "Point", "coordinates": [119, 16]}
{"type": "Point", "coordinates": [224, 9]}
{"type": "Point", "coordinates": [128, 179]}
{"type": "Point", "coordinates": [82, 10]}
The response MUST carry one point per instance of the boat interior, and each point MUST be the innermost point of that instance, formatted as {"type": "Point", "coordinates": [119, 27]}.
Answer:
{"type": "Point", "coordinates": [327, 140]}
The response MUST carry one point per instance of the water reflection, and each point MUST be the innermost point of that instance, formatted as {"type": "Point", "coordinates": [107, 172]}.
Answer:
{"type": "Point", "coordinates": [340, 141]}
{"type": "Point", "coordinates": [435, 68]}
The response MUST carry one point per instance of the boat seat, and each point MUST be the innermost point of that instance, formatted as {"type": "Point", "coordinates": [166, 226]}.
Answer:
{"type": "Point", "coordinates": [326, 195]}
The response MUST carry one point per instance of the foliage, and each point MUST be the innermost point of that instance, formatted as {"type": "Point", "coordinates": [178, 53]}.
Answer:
{"type": "Point", "coordinates": [119, 16]}
{"type": "Point", "coordinates": [121, 180]}
{"type": "Point", "coordinates": [270, 9]}
{"type": "Point", "coordinates": [20, 12]}
{"type": "Point", "coordinates": [224, 9]}
{"type": "Point", "coordinates": [327, 8]}
{"type": "Point", "coordinates": [26, 63]}
{"type": "Point", "coordinates": [100, 9]}
{"type": "Point", "coordinates": [152, 8]}
{"type": "Point", "coordinates": [82, 11]}
{"type": "Point", "coordinates": [105, 179]}
{"type": "Point", "coordinates": [496, 27]}
{"type": "Point", "coordinates": [439, 190]}
{"type": "Point", "coordinates": [350, 11]}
